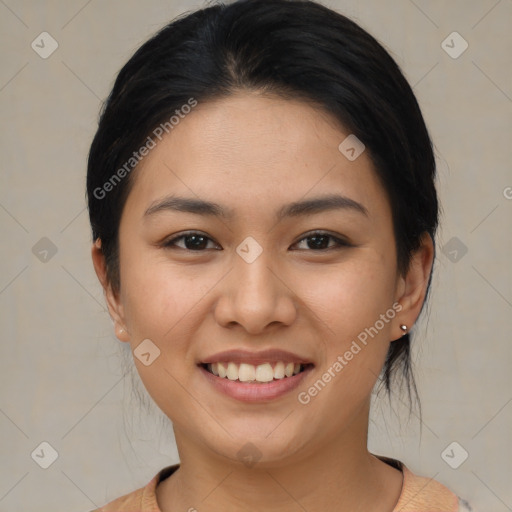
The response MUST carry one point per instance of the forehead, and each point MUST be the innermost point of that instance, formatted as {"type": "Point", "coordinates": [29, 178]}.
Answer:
{"type": "Point", "coordinates": [248, 148]}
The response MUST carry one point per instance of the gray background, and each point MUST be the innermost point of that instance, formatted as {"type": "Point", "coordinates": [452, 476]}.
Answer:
{"type": "Point", "coordinates": [62, 375]}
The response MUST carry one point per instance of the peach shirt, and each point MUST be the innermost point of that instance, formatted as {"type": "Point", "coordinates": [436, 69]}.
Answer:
{"type": "Point", "coordinates": [418, 494]}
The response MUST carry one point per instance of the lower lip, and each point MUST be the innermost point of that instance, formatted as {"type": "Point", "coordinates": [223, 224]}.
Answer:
{"type": "Point", "coordinates": [261, 392]}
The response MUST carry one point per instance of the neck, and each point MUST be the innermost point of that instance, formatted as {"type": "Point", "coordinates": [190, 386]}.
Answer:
{"type": "Point", "coordinates": [338, 474]}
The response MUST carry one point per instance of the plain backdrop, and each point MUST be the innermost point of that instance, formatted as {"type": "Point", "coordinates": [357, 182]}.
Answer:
{"type": "Point", "coordinates": [63, 379]}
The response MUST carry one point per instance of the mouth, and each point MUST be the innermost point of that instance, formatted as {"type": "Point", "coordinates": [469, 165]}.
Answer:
{"type": "Point", "coordinates": [255, 377]}
{"type": "Point", "coordinates": [255, 374]}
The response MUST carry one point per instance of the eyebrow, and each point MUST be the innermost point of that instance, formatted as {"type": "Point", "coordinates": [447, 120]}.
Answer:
{"type": "Point", "coordinates": [295, 209]}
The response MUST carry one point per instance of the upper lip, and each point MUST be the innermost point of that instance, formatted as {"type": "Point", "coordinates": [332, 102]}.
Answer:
{"type": "Point", "coordinates": [255, 358]}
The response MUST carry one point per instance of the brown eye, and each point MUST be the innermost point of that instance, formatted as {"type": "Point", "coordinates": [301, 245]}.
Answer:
{"type": "Point", "coordinates": [191, 241]}
{"type": "Point", "coordinates": [320, 241]}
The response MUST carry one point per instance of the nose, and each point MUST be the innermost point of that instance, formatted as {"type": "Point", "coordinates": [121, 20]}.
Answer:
{"type": "Point", "coordinates": [255, 297]}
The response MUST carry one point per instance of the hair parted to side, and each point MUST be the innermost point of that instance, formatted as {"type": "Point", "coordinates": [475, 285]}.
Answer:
{"type": "Point", "coordinates": [293, 49]}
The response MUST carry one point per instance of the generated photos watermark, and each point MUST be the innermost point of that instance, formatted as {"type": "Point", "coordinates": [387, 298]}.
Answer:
{"type": "Point", "coordinates": [304, 397]}
{"type": "Point", "coordinates": [144, 150]}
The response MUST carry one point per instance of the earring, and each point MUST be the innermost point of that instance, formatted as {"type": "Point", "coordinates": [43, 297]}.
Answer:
{"type": "Point", "coordinates": [404, 329]}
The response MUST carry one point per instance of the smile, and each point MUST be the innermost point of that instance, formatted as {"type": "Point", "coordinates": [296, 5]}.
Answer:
{"type": "Point", "coordinates": [254, 376]}
{"type": "Point", "coordinates": [249, 373]}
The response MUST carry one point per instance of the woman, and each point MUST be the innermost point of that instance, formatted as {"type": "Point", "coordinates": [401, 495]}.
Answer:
{"type": "Point", "coordinates": [262, 200]}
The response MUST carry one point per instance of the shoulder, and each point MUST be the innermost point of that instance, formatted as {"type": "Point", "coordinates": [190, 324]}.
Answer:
{"type": "Point", "coordinates": [419, 492]}
{"type": "Point", "coordinates": [131, 502]}
{"type": "Point", "coordinates": [141, 500]}
{"type": "Point", "coordinates": [422, 493]}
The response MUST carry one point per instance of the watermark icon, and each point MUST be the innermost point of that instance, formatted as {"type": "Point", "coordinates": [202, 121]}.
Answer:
{"type": "Point", "coordinates": [146, 352]}
{"type": "Point", "coordinates": [44, 455]}
{"type": "Point", "coordinates": [351, 147]}
{"type": "Point", "coordinates": [149, 144]}
{"type": "Point", "coordinates": [44, 250]}
{"type": "Point", "coordinates": [249, 249]}
{"type": "Point", "coordinates": [454, 249]}
{"type": "Point", "coordinates": [304, 397]}
{"type": "Point", "coordinates": [249, 455]}
{"type": "Point", "coordinates": [507, 192]}
{"type": "Point", "coordinates": [454, 45]}
{"type": "Point", "coordinates": [454, 455]}
{"type": "Point", "coordinates": [44, 45]}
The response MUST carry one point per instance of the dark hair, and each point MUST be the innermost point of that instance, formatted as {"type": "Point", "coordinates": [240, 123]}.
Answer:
{"type": "Point", "coordinates": [291, 49]}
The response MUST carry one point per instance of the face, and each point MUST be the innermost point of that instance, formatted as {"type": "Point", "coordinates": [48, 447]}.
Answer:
{"type": "Point", "coordinates": [251, 241]}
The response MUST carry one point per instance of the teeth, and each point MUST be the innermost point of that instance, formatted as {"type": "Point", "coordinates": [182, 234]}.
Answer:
{"type": "Point", "coordinates": [232, 372]}
{"type": "Point", "coordinates": [279, 370]}
{"type": "Point", "coordinates": [249, 373]}
{"type": "Point", "coordinates": [246, 372]}
{"type": "Point", "coordinates": [264, 372]}
{"type": "Point", "coordinates": [221, 368]}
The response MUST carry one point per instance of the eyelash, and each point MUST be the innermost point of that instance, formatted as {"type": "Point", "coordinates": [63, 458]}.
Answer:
{"type": "Point", "coordinates": [171, 244]}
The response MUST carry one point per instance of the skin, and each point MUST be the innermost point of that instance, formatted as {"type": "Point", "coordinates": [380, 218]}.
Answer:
{"type": "Point", "coordinates": [312, 302]}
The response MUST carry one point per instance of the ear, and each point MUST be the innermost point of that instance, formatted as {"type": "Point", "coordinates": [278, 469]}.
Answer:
{"type": "Point", "coordinates": [412, 288]}
{"type": "Point", "coordinates": [115, 307]}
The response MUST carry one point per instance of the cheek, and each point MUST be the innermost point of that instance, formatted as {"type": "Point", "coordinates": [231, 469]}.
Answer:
{"type": "Point", "coordinates": [348, 304]}
{"type": "Point", "coordinates": [162, 304]}
{"type": "Point", "coordinates": [157, 295]}
{"type": "Point", "coordinates": [350, 297]}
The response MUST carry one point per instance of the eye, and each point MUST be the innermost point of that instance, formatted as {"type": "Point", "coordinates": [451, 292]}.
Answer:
{"type": "Point", "coordinates": [192, 241]}
{"type": "Point", "coordinates": [197, 241]}
{"type": "Point", "coordinates": [320, 241]}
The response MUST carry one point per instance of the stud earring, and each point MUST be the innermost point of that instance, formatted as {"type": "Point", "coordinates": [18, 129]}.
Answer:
{"type": "Point", "coordinates": [404, 329]}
